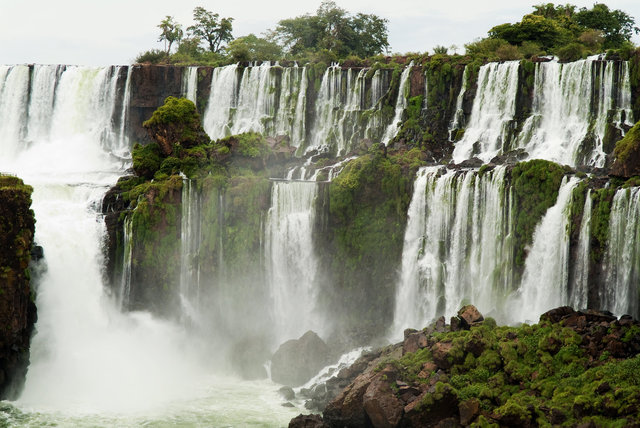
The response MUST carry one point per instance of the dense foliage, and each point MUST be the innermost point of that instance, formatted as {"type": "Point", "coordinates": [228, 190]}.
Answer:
{"type": "Point", "coordinates": [559, 30]}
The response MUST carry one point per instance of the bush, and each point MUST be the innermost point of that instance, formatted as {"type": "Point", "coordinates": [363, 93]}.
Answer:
{"type": "Point", "coordinates": [153, 56]}
{"type": "Point", "coordinates": [571, 52]}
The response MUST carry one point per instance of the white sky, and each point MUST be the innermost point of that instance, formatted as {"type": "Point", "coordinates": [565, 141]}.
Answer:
{"type": "Point", "coordinates": [103, 32]}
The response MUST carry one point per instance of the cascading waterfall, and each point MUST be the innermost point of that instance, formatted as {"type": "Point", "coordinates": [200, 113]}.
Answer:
{"type": "Point", "coordinates": [579, 297]}
{"type": "Point", "coordinates": [123, 137]}
{"type": "Point", "coordinates": [251, 99]}
{"type": "Point", "coordinates": [127, 251]}
{"type": "Point", "coordinates": [14, 93]}
{"type": "Point", "coordinates": [190, 238]}
{"type": "Point", "coordinates": [291, 259]}
{"type": "Point", "coordinates": [457, 246]}
{"type": "Point", "coordinates": [458, 116]}
{"type": "Point", "coordinates": [494, 108]}
{"type": "Point", "coordinates": [623, 255]}
{"type": "Point", "coordinates": [401, 105]}
{"type": "Point", "coordinates": [546, 273]}
{"type": "Point", "coordinates": [340, 105]}
{"type": "Point", "coordinates": [91, 364]}
{"type": "Point", "coordinates": [190, 83]}
{"type": "Point", "coordinates": [565, 126]}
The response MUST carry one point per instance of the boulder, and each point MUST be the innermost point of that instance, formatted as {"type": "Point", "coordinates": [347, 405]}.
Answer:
{"type": "Point", "coordinates": [307, 421]}
{"type": "Point", "coordinates": [347, 409]}
{"type": "Point", "coordinates": [441, 352]}
{"type": "Point", "coordinates": [469, 315]}
{"type": "Point", "coordinates": [469, 409]}
{"type": "Point", "coordinates": [379, 401]}
{"type": "Point", "coordinates": [297, 361]}
{"type": "Point", "coordinates": [414, 342]}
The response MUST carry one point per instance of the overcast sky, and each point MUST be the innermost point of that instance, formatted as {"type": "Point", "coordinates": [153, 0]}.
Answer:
{"type": "Point", "coordinates": [103, 32]}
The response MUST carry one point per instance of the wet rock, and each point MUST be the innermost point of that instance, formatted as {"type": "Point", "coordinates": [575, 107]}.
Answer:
{"type": "Point", "coordinates": [413, 342]}
{"type": "Point", "coordinates": [441, 352]}
{"type": "Point", "coordinates": [379, 401]}
{"type": "Point", "coordinates": [469, 315]}
{"type": "Point", "coordinates": [307, 421]}
{"type": "Point", "coordinates": [287, 393]}
{"type": "Point", "coordinates": [297, 361]}
{"type": "Point", "coordinates": [469, 410]}
{"type": "Point", "coordinates": [557, 314]}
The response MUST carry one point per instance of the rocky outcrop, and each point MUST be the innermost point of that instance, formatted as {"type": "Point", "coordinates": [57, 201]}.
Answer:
{"type": "Point", "coordinates": [483, 374]}
{"type": "Point", "coordinates": [627, 154]}
{"type": "Point", "coordinates": [17, 308]}
{"type": "Point", "coordinates": [297, 361]}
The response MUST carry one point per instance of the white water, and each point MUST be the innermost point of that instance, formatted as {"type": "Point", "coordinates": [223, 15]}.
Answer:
{"type": "Point", "coordinates": [580, 287]}
{"type": "Point", "coordinates": [494, 107]}
{"type": "Point", "coordinates": [457, 246]}
{"type": "Point", "coordinates": [190, 238]}
{"type": "Point", "coordinates": [251, 100]}
{"type": "Point", "coordinates": [458, 116]}
{"type": "Point", "coordinates": [92, 365]}
{"type": "Point", "coordinates": [623, 256]}
{"type": "Point", "coordinates": [546, 273]}
{"type": "Point", "coordinates": [127, 252]}
{"type": "Point", "coordinates": [401, 105]}
{"type": "Point", "coordinates": [563, 105]}
{"type": "Point", "coordinates": [339, 109]}
{"type": "Point", "coordinates": [190, 83]}
{"type": "Point", "coordinates": [293, 264]}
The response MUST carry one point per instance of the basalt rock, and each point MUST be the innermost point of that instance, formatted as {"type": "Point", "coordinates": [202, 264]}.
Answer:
{"type": "Point", "coordinates": [17, 308]}
{"type": "Point", "coordinates": [298, 360]}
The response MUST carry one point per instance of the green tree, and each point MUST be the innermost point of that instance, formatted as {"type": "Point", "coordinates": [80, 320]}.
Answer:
{"type": "Point", "coordinates": [252, 48]}
{"type": "Point", "coordinates": [171, 32]}
{"type": "Point", "coordinates": [211, 28]}
{"type": "Point", "coordinates": [334, 29]}
{"type": "Point", "coordinates": [616, 25]}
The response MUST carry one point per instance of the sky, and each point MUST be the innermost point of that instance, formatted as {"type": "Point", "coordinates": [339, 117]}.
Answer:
{"type": "Point", "coordinates": [114, 32]}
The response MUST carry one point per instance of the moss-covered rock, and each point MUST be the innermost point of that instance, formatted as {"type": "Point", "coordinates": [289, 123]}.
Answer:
{"type": "Point", "coordinates": [627, 154]}
{"type": "Point", "coordinates": [17, 308]}
{"type": "Point", "coordinates": [561, 371]}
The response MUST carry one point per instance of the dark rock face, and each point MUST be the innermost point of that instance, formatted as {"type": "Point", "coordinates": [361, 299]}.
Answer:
{"type": "Point", "coordinates": [307, 421]}
{"type": "Point", "coordinates": [378, 396]}
{"type": "Point", "coordinates": [150, 86]}
{"type": "Point", "coordinates": [17, 309]}
{"type": "Point", "coordinates": [297, 361]}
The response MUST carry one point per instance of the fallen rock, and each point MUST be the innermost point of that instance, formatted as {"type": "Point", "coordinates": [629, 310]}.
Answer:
{"type": "Point", "coordinates": [469, 410]}
{"type": "Point", "coordinates": [297, 361]}
{"type": "Point", "coordinates": [469, 315]}
{"type": "Point", "coordinates": [379, 401]}
{"type": "Point", "coordinates": [307, 421]}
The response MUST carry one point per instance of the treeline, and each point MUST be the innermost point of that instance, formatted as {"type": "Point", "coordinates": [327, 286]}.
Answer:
{"type": "Point", "coordinates": [331, 34]}
{"type": "Point", "coordinates": [334, 34]}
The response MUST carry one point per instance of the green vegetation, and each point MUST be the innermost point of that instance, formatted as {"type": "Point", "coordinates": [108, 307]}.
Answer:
{"type": "Point", "coordinates": [535, 186]}
{"type": "Point", "coordinates": [559, 30]}
{"type": "Point", "coordinates": [534, 375]}
{"type": "Point", "coordinates": [368, 202]}
{"type": "Point", "coordinates": [628, 144]}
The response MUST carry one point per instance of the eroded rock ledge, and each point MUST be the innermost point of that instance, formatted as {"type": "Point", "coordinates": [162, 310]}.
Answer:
{"type": "Point", "coordinates": [572, 368]}
{"type": "Point", "coordinates": [17, 309]}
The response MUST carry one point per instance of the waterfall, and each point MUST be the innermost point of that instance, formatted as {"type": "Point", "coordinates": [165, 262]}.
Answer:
{"type": "Point", "coordinates": [457, 245]}
{"type": "Point", "coordinates": [291, 259]}
{"type": "Point", "coordinates": [190, 84]}
{"type": "Point", "coordinates": [14, 90]}
{"type": "Point", "coordinates": [85, 354]}
{"type": "Point", "coordinates": [127, 251]}
{"type": "Point", "coordinates": [254, 99]}
{"type": "Point", "coordinates": [494, 108]}
{"type": "Point", "coordinates": [546, 273]}
{"type": "Point", "coordinates": [622, 259]}
{"type": "Point", "coordinates": [401, 105]}
{"type": "Point", "coordinates": [190, 239]}
{"type": "Point", "coordinates": [457, 122]}
{"type": "Point", "coordinates": [342, 107]}
{"type": "Point", "coordinates": [124, 144]}
{"type": "Point", "coordinates": [579, 297]}
{"type": "Point", "coordinates": [568, 122]}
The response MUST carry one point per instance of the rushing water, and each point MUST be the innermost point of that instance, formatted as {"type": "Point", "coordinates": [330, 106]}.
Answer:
{"type": "Point", "coordinates": [91, 364]}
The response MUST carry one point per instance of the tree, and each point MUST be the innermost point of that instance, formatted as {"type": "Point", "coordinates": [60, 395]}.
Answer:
{"type": "Point", "coordinates": [334, 29]}
{"type": "Point", "coordinates": [171, 32]}
{"type": "Point", "coordinates": [210, 28]}
{"type": "Point", "coordinates": [616, 26]}
{"type": "Point", "coordinates": [252, 48]}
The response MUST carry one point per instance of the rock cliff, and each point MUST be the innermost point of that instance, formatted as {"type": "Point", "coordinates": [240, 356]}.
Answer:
{"type": "Point", "coordinates": [17, 308]}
